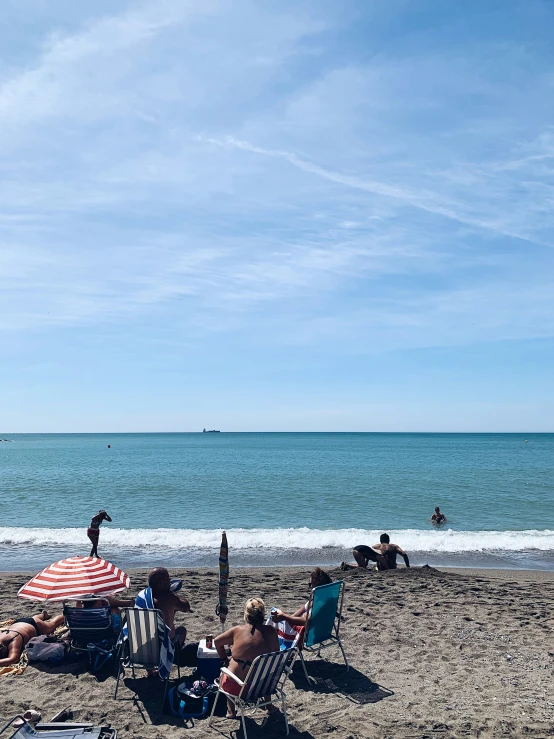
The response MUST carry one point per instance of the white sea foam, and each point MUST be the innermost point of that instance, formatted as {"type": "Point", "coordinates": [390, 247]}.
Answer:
{"type": "Point", "coordinates": [425, 540]}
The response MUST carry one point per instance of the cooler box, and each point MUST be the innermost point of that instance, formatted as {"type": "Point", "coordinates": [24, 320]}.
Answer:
{"type": "Point", "coordinates": [208, 662]}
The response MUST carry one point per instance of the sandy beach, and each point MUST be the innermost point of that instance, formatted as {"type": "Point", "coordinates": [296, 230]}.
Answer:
{"type": "Point", "coordinates": [465, 653]}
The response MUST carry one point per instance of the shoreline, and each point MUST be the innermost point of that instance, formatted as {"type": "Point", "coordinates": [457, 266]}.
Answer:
{"type": "Point", "coordinates": [499, 572]}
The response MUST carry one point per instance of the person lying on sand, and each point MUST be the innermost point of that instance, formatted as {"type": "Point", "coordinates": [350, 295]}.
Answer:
{"type": "Point", "coordinates": [298, 618]}
{"type": "Point", "coordinates": [248, 641]}
{"type": "Point", "coordinates": [93, 531]}
{"type": "Point", "coordinates": [384, 554]}
{"type": "Point", "coordinates": [14, 638]}
{"type": "Point", "coordinates": [437, 518]}
{"type": "Point", "coordinates": [168, 602]}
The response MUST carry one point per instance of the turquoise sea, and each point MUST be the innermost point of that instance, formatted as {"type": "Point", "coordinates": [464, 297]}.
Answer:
{"type": "Point", "coordinates": [283, 498]}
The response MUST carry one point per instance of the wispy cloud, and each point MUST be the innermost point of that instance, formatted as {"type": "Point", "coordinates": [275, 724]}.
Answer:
{"type": "Point", "coordinates": [335, 189]}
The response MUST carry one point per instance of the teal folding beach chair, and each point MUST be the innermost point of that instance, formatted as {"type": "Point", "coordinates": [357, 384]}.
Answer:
{"type": "Point", "coordinates": [323, 622]}
{"type": "Point", "coordinates": [262, 686]}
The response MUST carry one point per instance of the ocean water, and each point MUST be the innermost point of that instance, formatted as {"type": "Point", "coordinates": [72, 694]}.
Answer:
{"type": "Point", "coordinates": [282, 498]}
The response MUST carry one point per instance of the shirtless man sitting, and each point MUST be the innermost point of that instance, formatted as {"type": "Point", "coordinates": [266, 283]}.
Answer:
{"type": "Point", "coordinates": [168, 602]}
{"type": "Point", "coordinates": [389, 552]}
{"type": "Point", "coordinates": [14, 638]}
{"type": "Point", "coordinates": [383, 554]}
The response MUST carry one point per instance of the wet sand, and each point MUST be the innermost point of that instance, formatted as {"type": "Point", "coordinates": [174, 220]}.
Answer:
{"type": "Point", "coordinates": [451, 653]}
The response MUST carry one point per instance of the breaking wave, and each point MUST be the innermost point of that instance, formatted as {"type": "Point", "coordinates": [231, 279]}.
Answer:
{"type": "Point", "coordinates": [414, 540]}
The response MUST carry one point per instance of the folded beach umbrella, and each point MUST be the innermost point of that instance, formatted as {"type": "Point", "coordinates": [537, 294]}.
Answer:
{"type": "Point", "coordinates": [221, 609]}
{"type": "Point", "coordinates": [75, 577]}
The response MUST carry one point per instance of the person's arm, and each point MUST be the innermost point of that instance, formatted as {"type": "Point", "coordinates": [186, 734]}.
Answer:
{"type": "Point", "coordinates": [223, 640]}
{"type": "Point", "coordinates": [181, 604]}
{"type": "Point", "coordinates": [120, 602]}
{"type": "Point", "coordinates": [106, 517]}
{"type": "Point", "coordinates": [291, 619]}
{"type": "Point", "coordinates": [14, 655]}
{"type": "Point", "coordinates": [403, 554]}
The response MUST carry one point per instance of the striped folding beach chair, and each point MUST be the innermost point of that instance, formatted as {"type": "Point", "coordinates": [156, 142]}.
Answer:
{"type": "Point", "coordinates": [145, 644]}
{"type": "Point", "coordinates": [323, 622]}
{"type": "Point", "coordinates": [89, 625]}
{"type": "Point", "coordinates": [262, 686]}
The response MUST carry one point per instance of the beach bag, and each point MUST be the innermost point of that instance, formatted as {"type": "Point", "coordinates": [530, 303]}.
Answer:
{"type": "Point", "coordinates": [194, 698]}
{"type": "Point", "coordinates": [187, 705]}
{"type": "Point", "coordinates": [44, 649]}
{"type": "Point", "coordinates": [102, 659]}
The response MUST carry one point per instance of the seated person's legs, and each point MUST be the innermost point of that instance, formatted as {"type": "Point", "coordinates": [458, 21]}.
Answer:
{"type": "Point", "coordinates": [46, 624]}
{"type": "Point", "coordinates": [180, 634]}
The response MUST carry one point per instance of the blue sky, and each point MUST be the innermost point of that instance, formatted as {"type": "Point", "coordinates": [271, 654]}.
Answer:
{"type": "Point", "coordinates": [277, 216]}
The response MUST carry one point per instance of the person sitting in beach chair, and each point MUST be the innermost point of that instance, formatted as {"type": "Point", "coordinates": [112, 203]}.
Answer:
{"type": "Point", "coordinates": [248, 641]}
{"type": "Point", "coordinates": [168, 602]}
{"type": "Point", "coordinates": [319, 619]}
{"type": "Point", "coordinates": [297, 619]}
{"type": "Point", "coordinates": [14, 638]}
{"type": "Point", "coordinates": [94, 620]}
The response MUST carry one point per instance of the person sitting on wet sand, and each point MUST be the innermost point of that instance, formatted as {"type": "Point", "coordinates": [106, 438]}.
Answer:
{"type": "Point", "coordinates": [437, 518]}
{"type": "Point", "coordinates": [384, 554]}
{"type": "Point", "coordinates": [298, 618]}
{"type": "Point", "coordinates": [168, 602]}
{"type": "Point", "coordinates": [14, 638]}
{"type": "Point", "coordinates": [248, 641]}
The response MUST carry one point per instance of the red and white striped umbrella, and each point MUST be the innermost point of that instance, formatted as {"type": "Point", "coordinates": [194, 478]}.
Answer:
{"type": "Point", "coordinates": [74, 578]}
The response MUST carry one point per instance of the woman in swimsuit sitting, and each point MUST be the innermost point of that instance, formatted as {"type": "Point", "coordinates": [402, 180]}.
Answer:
{"type": "Point", "coordinates": [248, 641]}
{"type": "Point", "coordinates": [298, 618]}
{"type": "Point", "coordinates": [14, 638]}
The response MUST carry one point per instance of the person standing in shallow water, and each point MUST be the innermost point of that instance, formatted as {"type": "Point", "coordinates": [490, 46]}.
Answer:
{"type": "Point", "coordinates": [93, 531]}
{"type": "Point", "coordinates": [437, 518]}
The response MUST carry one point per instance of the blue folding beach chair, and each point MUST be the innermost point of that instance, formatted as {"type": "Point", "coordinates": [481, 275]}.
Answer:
{"type": "Point", "coordinates": [262, 686]}
{"type": "Point", "coordinates": [323, 622]}
{"type": "Point", "coordinates": [89, 625]}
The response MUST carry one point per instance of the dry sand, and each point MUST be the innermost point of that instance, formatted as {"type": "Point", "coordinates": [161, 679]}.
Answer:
{"type": "Point", "coordinates": [433, 654]}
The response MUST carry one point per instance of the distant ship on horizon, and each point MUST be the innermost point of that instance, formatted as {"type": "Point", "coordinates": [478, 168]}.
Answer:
{"type": "Point", "coordinates": [211, 431]}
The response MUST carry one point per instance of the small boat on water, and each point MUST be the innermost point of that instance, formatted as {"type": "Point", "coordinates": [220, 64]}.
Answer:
{"type": "Point", "coordinates": [211, 431]}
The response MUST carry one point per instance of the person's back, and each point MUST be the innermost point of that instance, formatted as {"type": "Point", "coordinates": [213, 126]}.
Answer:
{"type": "Point", "coordinates": [168, 602]}
{"type": "Point", "coordinates": [249, 644]}
{"type": "Point", "coordinates": [247, 641]}
{"type": "Point", "coordinates": [389, 552]}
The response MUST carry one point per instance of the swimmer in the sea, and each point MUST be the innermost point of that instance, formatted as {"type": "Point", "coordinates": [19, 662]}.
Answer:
{"type": "Point", "coordinates": [437, 518]}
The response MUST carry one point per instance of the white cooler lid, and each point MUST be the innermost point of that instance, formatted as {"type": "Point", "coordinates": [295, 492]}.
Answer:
{"type": "Point", "coordinates": [204, 652]}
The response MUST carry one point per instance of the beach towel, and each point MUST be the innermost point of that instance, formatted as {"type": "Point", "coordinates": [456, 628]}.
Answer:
{"type": "Point", "coordinates": [17, 669]}
{"type": "Point", "coordinates": [145, 599]}
{"type": "Point", "coordinates": [289, 636]}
